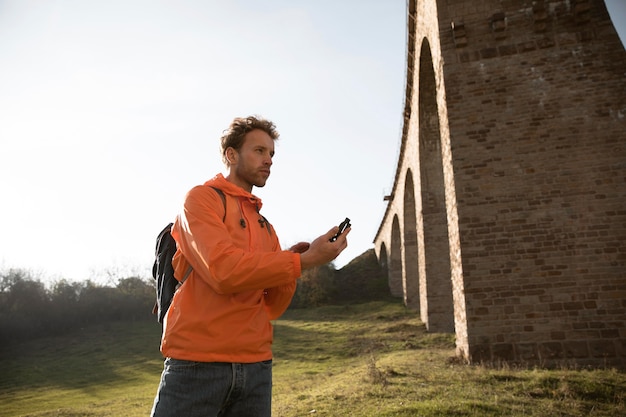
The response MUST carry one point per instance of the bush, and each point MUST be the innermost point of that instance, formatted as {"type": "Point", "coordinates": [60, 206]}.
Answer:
{"type": "Point", "coordinates": [315, 287]}
{"type": "Point", "coordinates": [29, 310]}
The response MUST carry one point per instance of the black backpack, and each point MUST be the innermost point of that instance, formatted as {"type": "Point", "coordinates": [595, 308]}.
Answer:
{"type": "Point", "coordinates": [163, 271]}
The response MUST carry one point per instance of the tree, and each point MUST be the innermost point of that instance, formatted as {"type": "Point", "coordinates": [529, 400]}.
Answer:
{"type": "Point", "coordinates": [24, 303]}
{"type": "Point", "coordinates": [315, 287]}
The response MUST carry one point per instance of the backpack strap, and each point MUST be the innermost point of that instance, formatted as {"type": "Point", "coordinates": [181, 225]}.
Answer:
{"type": "Point", "coordinates": [221, 194]}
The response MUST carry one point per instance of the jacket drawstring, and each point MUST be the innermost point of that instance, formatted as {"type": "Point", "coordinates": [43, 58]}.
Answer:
{"type": "Point", "coordinates": [262, 220]}
{"type": "Point", "coordinates": [242, 222]}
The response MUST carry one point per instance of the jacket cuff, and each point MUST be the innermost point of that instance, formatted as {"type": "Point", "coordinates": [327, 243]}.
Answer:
{"type": "Point", "coordinates": [297, 266]}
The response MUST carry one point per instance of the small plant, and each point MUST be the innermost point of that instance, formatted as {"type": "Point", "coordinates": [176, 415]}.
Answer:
{"type": "Point", "coordinates": [374, 374]}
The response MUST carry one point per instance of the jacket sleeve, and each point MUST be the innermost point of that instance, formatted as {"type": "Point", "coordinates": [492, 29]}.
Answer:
{"type": "Point", "coordinates": [205, 242]}
{"type": "Point", "coordinates": [277, 299]}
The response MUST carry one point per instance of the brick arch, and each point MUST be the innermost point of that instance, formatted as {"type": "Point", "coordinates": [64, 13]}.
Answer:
{"type": "Point", "coordinates": [395, 286]}
{"type": "Point", "coordinates": [383, 262]}
{"type": "Point", "coordinates": [436, 285]}
{"type": "Point", "coordinates": [411, 255]}
{"type": "Point", "coordinates": [395, 261]}
{"type": "Point", "coordinates": [514, 132]}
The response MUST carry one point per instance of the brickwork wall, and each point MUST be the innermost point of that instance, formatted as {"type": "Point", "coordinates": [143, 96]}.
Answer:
{"type": "Point", "coordinates": [535, 115]}
{"type": "Point", "coordinates": [537, 120]}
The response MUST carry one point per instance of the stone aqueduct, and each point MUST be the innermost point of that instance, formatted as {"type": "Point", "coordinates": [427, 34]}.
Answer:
{"type": "Point", "coordinates": [507, 220]}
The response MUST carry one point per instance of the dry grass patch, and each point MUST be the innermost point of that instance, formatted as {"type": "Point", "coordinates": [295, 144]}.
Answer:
{"type": "Point", "coordinates": [363, 360]}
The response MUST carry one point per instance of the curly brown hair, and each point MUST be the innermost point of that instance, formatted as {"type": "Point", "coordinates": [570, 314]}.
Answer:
{"type": "Point", "coordinates": [234, 136]}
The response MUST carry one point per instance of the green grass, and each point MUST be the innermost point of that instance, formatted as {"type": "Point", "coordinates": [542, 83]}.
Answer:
{"type": "Point", "coordinates": [103, 371]}
{"type": "Point", "coordinates": [371, 359]}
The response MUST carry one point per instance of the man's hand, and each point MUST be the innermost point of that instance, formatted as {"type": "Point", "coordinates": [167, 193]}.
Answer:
{"type": "Point", "coordinates": [321, 251]}
{"type": "Point", "coordinates": [300, 247]}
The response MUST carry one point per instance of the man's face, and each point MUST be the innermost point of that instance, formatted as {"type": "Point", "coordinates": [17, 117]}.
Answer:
{"type": "Point", "coordinates": [251, 165]}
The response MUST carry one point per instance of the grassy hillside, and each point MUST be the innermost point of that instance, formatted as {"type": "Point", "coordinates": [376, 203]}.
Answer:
{"type": "Point", "coordinates": [101, 371]}
{"type": "Point", "coordinates": [361, 280]}
{"type": "Point", "coordinates": [376, 359]}
{"type": "Point", "coordinates": [368, 359]}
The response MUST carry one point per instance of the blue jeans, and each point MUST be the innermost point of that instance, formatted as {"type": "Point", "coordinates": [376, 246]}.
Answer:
{"type": "Point", "coordinates": [214, 389]}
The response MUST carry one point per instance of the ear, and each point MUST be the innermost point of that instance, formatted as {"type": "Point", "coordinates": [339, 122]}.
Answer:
{"type": "Point", "coordinates": [231, 155]}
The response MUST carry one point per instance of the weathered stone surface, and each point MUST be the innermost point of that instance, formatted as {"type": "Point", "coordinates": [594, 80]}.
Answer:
{"type": "Point", "coordinates": [507, 221]}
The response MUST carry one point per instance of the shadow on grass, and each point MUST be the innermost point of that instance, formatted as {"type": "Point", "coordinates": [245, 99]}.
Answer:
{"type": "Point", "coordinates": [341, 332]}
{"type": "Point", "coordinates": [389, 310]}
{"type": "Point", "coordinates": [85, 360]}
{"type": "Point", "coordinates": [439, 410]}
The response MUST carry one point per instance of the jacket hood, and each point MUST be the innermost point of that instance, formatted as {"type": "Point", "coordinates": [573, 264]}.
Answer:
{"type": "Point", "coordinates": [234, 190]}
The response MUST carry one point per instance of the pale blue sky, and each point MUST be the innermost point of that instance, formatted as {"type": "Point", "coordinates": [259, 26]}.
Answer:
{"type": "Point", "coordinates": [111, 110]}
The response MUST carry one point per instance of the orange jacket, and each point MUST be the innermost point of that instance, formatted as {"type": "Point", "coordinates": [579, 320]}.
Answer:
{"type": "Point", "coordinates": [241, 279]}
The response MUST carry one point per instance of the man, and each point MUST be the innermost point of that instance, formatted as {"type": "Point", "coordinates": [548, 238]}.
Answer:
{"type": "Point", "coordinates": [217, 333]}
